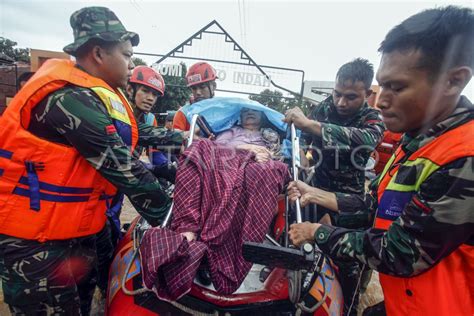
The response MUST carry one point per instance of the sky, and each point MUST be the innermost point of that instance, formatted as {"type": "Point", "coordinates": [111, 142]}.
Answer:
{"type": "Point", "coordinates": [314, 36]}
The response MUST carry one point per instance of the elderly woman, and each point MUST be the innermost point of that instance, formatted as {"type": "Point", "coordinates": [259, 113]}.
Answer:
{"type": "Point", "coordinates": [249, 136]}
{"type": "Point", "coordinates": [226, 193]}
{"type": "Point", "coordinates": [252, 135]}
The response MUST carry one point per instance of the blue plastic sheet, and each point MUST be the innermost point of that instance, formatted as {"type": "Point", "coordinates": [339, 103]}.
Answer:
{"type": "Point", "coordinates": [222, 113]}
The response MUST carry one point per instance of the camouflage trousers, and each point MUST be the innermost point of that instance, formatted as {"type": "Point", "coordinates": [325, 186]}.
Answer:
{"type": "Point", "coordinates": [106, 241]}
{"type": "Point", "coordinates": [55, 277]}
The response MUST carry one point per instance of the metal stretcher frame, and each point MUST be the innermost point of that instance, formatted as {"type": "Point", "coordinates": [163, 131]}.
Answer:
{"type": "Point", "coordinates": [294, 260]}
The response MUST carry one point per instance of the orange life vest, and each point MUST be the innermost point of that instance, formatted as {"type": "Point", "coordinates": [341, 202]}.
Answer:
{"type": "Point", "coordinates": [48, 191]}
{"type": "Point", "coordinates": [180, 121]}
{"type": "Point", "coordinates": [448, 287]}
{"type": "Point", "coordinates": [385, 149]}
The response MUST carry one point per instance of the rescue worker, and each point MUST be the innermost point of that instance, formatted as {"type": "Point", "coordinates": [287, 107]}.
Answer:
{"type": "Point", "coordinates": [201, 78]}
{"type": "Point", "coordinates": [344, 130]}
{"type": "Point", "coordinates": [144, 88]}
{"type": "Point", "coordinates": [65, 149]}
{"type": "Point", "coordinates": [423, 237]}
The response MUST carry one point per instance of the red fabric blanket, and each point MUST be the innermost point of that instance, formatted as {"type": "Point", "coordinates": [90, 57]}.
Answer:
{"type": "Point", "coordinates": [226, 198]}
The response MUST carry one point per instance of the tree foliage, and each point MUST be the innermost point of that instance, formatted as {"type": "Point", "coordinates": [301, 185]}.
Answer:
{"type": "Point", "coordinates": [176, 92]}
{"type": "Point", "coordinates": [272, 99]}
{"type": "Point", "coordinates": [8, 48]}
{"type": "Point", "coordinates": [138, 61]}
{"type": "Point", "coordinates": [276, 101]}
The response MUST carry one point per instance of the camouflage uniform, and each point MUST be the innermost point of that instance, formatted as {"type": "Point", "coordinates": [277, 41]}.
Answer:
{"type": "Point", "coordinates": [54, 119]}
{"type": "Point", "coordinates": [59, 276]}
{"type": "Point", "coordinates": [341, 138]}
{"type": "Point", "coordinates": [342, 152]}
{"type": "Point", "coordinates": [55, 277]}
{"type": "Point", "coordinates": [51, 120]}
{"type": "Point", "coordinates": [416, 235]}
{"type": "Point", "coordinates": [97, 23]}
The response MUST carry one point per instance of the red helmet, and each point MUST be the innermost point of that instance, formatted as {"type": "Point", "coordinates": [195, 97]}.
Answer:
{"type": "Point", "coordinates": [148, 77]}
{"type": "Point", "coordinates": [200, 73]}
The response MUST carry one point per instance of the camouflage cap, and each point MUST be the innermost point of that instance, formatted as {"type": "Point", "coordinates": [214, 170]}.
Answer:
{"type": "Point", "coordinates": [97, 22]}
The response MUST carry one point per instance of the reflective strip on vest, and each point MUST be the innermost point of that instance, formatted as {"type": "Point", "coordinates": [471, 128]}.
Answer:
{"type": "Point", "coordinates": [399, 191]}
{"type": "Point", "coordinates": [113, 103]}
{"type": "Point", "coordinates": [399, 181]}
{"type": "Point", "coordinates": [118, 112]}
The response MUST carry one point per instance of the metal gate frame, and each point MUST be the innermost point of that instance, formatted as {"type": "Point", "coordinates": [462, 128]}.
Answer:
{"type": "Point", "coordinates": [249, 61]}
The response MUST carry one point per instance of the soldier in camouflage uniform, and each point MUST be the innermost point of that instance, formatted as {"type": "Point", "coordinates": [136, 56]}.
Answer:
{"type": "Point", "coordinates": [423, 236]}
{"type": "Point", "coordinates": [59, 276]}
{"type": "Point", "coordinates": [343, 131]}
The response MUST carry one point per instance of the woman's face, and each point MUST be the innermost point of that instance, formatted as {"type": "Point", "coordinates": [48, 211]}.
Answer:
{"type": "Point", "coordinates": [251, 118]}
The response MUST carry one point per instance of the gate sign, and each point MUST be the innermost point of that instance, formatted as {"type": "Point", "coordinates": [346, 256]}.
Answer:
{"type": "Point", "coordinates": [169, 69]}
{"type": "Point", "coordinates": [251, 79]}
{"type": "Point", "coordinates": [238, 77]}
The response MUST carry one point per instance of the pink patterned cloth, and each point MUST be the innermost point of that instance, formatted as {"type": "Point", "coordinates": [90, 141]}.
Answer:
{"type": "Point", "coordinates": [238, 135]}
{"type": "Point", "coordinates": [226, 198]}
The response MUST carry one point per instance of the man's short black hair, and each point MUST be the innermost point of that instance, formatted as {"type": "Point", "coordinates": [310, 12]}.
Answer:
{"type": "Point", "coordinates": [24, 77]}
{"type": "Point", "coordinates": [357, 70]}
{"type": "Point", "coordinates": [445, 36]}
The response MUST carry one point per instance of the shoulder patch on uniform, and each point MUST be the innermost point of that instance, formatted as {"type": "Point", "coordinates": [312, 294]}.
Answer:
{"type": "Point", "coordinates": [117, 106]}
{"type": "Point", "coordinates": [110, 129]}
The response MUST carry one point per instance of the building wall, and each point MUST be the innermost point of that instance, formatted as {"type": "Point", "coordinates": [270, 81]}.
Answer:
{"type": "Point", "coordinates": [8, 82]}
{"type": "Point", "coordinates": [8, 77]}
{"type": "Point", "coordinates": [39, 56]}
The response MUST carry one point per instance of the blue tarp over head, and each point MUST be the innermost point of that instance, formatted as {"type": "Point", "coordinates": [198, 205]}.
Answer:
{"type": "Point", "coordinates": [222, 113]}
